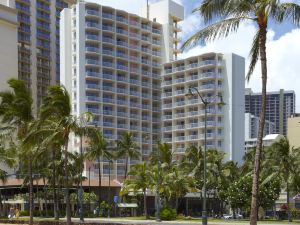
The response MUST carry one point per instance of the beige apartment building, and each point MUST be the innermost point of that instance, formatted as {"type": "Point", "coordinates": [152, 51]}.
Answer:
{"type": "Point", "coordinates": [293, 130]}
{"type": "Point", "coordinates": [8, 42]}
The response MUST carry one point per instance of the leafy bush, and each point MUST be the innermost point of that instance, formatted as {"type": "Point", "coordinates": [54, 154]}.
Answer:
{"type": "Point", "coordinates": [295, 213]}
{"type": "Point", "coordinates": [168, 214]}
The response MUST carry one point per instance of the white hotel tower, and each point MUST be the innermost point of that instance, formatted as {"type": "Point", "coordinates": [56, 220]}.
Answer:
{"type": "Point", "coordinates": [213, 74]}
{"type": "Point", "coordinates": [111, 65]}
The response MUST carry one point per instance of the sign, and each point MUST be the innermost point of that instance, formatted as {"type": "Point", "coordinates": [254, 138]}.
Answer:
{"type": "Point", "coordinates": [116, 199]}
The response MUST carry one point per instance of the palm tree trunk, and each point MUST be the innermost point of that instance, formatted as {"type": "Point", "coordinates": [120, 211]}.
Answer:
{"type": "Point", "coordinates": [145, 203]}
{"type": "Point", "coordinates": [263, 59]}
{"type": "Point", "coordinates": [99, 182]}
{"type": "Point", "coordinates": [126, 168]}
{"type": "Point", "coordinates": [176, 203]}
{"type": "Point", "coordinates": [46, 196]}
{"type": "Point", "coordinates": [31, 203]}
{"type": "Point", "coordinates": [288, 201]}
{"type": "Point", "coordinates": [55, 205]}
{"type": "Point", "coordinates": [68, 208]}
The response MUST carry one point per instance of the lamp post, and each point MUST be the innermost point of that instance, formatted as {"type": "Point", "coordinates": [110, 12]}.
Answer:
{"type": "Point", "coordinates": [90, 188]}
{"type": "Point", "coordinates": [109, 202]}
{"type": "Point", "coordinates": [205, 103]}
{"type": "Point", "coordinates": [81, 189]}
{"type": "Point", "coordinates": [158, 187]}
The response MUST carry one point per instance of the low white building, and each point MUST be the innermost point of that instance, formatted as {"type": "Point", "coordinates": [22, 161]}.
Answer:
{"type": "Point", "coordinates": [268, 140]}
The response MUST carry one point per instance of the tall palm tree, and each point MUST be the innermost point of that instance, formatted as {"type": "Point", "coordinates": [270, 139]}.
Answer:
{"type": "Point", "coordinates": [56, 107]}
{"type": "Point", "coordinates": [17, 118]}
{"type": "Point", "coordinates": [227, 15]}
{"type": "Point", "coordinates": [142, 180]}
{"type": "Point", "coordinates": [282, 159]}
{"type": "Point", "coordinates": [127, 148]}
{"type": "Point", "coordinates": [98, 148]}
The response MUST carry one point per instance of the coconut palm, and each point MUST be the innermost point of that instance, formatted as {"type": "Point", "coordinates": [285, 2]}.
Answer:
{"type": "Point", "coordinates": [227, 15]}
{"type": "Point", "coordinates": [17, 118]}
{"type": "Point", "coordinates": [56, 107]}
{"type": "Point", "coordinates": [98, 149]}
{"type": "Point", "coordinates": [142, 180]}
{"type": "Point", "coordinates": [126, 147]}
{"type": "Point", "coordinates": [282, 159]}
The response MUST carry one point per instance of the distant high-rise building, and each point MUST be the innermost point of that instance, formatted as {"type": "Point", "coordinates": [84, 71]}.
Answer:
{"type": "Point", "coordinates": [252, 124]}
{"type": "Point", "coordinates": [38, 47]}
{"type": "Point", "coordinates": [213, 74]}
{"type": "Point", "coordinates": [280, 106]}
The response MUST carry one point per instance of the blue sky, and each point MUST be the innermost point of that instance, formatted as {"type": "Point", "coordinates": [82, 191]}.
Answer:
{"type": "Point", "coordinates": [283, 45]}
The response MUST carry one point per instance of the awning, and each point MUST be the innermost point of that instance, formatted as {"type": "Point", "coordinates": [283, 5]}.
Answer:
{"type": "Point", "coordinates": [127, 205]}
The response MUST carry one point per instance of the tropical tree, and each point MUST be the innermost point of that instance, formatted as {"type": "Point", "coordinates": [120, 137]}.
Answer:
{"type": "Point", "coordinates": [224, 17]}
{"type": "Point", "coordinates": [17, 118]}
{"type": "Point", "coordinates": [140, 183]}
{"type": "Point", "coordinates": [282, 159]}
{"type": "Point", "coordinates": [98, 149]}
{"type": "Point", "coordinates": [56, 107]}
{"type": "Point", "coordinates": [128, 149]}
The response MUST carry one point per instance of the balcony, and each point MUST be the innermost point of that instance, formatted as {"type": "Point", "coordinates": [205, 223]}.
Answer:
{"type": "Point", "coordinates": [107, 52]}
{"type": "Point", "coordinates": [167, 139]}
{"type": "Point", "coordinates": [156, 31]}
{"type": "Point", "coordinates": [167, 106]}
{"type": "Point", "coordinates": [135, 105]}
{"type": "Point", "coordinates": [108, 40]}
{"type": "Point", "coordinates": [146, 72]}
{"type": "Point", "coordinates": [108, 100]}
{"type": "Point", "coordinates": [192, 137]}
{"type": "Point", "coordinates": [134, 23]}
{"type": "Point", "coordinates": [122, 126]}
{"type": "Point", "coordinates": [135, 93]}
{"type": "Point", "coordinates": [135, 35]}
{"type": "Point", "coordinates": [92, 12]}
{"type": "Point", "coordinates": [108, 88]}
{"type": "Point", "coordinates": [207, 87]}
{"type": "Point", "coordinates": [108, 16]}
{"type": "Point", "coordinates": [179, 115]}
{"type": "Point", "coordinates": [122, 55]}
{"type": "Point", "coordinates": [93, 86]}
{"type": "Point", "coordinates": [192, 125]}
{"type": "Point", "coordinates": [108, 28]}
{"type": "Point", "coordinates": [146, 107]}
{"type": "Point", "coordinates": [122, 90]}
{"type": "Point", "coordinates": [167, 117]}
{"type": "Point", "coordinates": [134, 127]}
{"type": "Point", "coordinates": [93, 98]}
{"type": "Point", "coordinates": [179, 92]}
{"type": "Point", "coordinates": [92, 62]}
{"type": "Point", "coordinates": [92, 37]}
{"type": "Point", "coordinates": [108, 112]}
{"type": "Point", "coordinates": [180, 138]}
{"type": "Point", "coordinates": [179, 127]}
{"type": "Point", "coordinates": [207, 62]}
{"type": "Point", "coordinates": [134, 81]}
{"type": "Point", "coordinates": [122, 67]}
{"type": "Point", "coordinates": [108, 124]}
{"type": "Point", "coordinates": [167, 82]}
{"type": "Point", "coordinates": [122, 114]}
{"type": "Point", "coordinates": [108, 76]}
{"type": "Point", "coordinates": [92, 25]}
{"type": "Point", "coordinates": [122, 19]}
{"type": "Point", "coordinates": [122, 31]}
{"type": "Point", "coordinates": [169, 128]}
{"type": "Point", "coordinates": [121, 102]}
{"type": "Point", "coordinates": [178, 80]}
{"type": "Point", "coordinates": [121, 78]}
{"type": "Point", "coordinates": [93, 110]}
{"type": "Point", "coordinates": [108, 64]}
{"type": "Point", "coordinates": [122, 43]}
{"type": "Point", "coordinates": [180, 103]}
{"type": "Point", "coordinates": [92, 49]}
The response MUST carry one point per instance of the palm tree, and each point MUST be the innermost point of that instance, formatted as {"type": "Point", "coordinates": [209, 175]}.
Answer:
{"type": "Point", "coordinates": [165, 156]}
{"type": "Point", "coordinates": [98, 148]}
{"type": "Point", "coordinates": [17, 118]}
{"type": "Point", "coordinates": [282, 158]}
{"type": "Point", "coordinates": [142, 180]}
{"type": "Point", "coordinates": [57, 107]}
{"type": "Point", "coordinates": [227, 16]}
{"type": "Point", "coordinates": [127, 148]}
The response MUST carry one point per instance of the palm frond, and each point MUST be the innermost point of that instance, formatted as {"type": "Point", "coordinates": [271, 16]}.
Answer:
{"type": "Point", "coordinates": [254, 55]}
{"type": "Point", "coordinates": [210, 9]}
{"type": "Point", "coordinates": [287, 11]}
{"type": "Point", "coordinates": [214, 31]}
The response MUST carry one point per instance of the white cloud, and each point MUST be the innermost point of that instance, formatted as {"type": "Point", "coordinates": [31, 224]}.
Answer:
{"type": "Point", "coordinates": [282, 55]}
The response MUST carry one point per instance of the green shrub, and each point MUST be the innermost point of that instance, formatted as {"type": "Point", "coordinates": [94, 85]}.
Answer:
{"type": "Point", "coordinates": [295, 213]}
{"type": "Point", "coordinates": [168, 214]}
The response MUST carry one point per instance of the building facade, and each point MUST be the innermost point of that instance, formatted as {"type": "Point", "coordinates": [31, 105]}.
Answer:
{"type": "Point", "coordinates": [111, 65]}
{"type": "Point", "coordinates": [8, 42]}
{"type": "Point", "coordinates": [293, 130]}
{"type": "Point", "coordinates": [252, 124]}
{"type": "Point", "coordinates": [38, 44]}
{"type": "Point", "coordinates": [280, 106]}
{"type": "Point", "coordinates": [213, 74]}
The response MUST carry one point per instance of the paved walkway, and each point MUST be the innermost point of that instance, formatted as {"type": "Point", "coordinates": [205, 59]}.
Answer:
{"type": "Point", "coordinates": [151, 222]}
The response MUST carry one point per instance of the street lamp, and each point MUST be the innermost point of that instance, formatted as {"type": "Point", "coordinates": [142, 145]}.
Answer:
{"type": "Point", "coordinates": [81, 189]}
{"type": "Point", "coordinates": [205, 103]}
{"type": "Point", "coordinates": [158, 186]}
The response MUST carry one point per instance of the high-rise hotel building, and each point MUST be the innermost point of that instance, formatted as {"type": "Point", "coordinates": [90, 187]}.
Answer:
{"type": "Point", "coordinates": [111, 65]}
{"type": "Point", "coordinates": [38, 44]}
{"type": "Point", "coordinates": [214, 75]}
